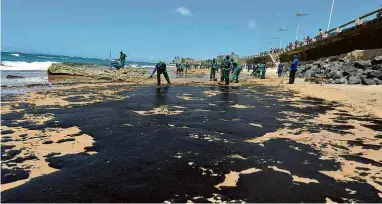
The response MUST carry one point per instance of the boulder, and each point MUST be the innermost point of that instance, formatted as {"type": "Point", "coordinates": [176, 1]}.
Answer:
{"type": "Point", "coordinates": [374, 73]}
{"type": "Point", "coordinates": [331, 81]}
{"type": "Point", "coordinates": [342, 80]}
{"type": "Point", "coordinates": [308, 73]}
{"type": "Point", "coordinates": [368, 81]}
{"type": "Point", "coordinates": [377, 81]}
{"type": "Point", "coordinates": [377, 67]}
{"type": "Point", "coordinates": [98, 72]}
{"type": "Point", "coordinates": [376, 60]}
{"type": "Point", "coordinates": [9, 76]}
{"type": "Point", "coordinates": [362, 64]}
{"type": "Point", "coordinates": [354, 80]}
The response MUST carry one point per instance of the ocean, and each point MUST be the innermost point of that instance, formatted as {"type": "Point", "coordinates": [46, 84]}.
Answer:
{"type": "Point", "coordinates": [33, 67]}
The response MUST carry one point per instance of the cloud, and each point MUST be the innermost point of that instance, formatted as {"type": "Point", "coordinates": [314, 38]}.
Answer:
{"type": "Point", "coordinates": [151, 57]}
{"type": "Point", "coordinates": [252, 24]}
{"type": "Point", "coordinates": [183, 11]}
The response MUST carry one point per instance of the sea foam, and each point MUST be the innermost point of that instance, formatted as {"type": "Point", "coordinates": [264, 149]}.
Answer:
{"type": "Point", "coordinates": [19, 65]}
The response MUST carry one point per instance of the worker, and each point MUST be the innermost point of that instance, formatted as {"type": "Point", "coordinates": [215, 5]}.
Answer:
{"type": "Point", "coordinates": [236, 69]}
{"type": "Point", "coordinates": [225, 69]}
{"type": "Point", "coordinates": [262, 70]}
{"type": "Point", "coordinates": [177, 65]}
{"type": "Point", "coordinates": [182, 67]}
{"type": "Point", "coordinates": [122, 59]}
{"type": "Point", "coordinates": [214, 68]}
{"type": "Point", "coordinates": [293, 69]}
{"type": "Point", "coordinates": [280, 69]}
{"type": "Point", "coordinates": [187, 67]}
{"type": "Point", "coordinates": [254, 69]}
{"type": "Point", "coordinates": [160, 68]}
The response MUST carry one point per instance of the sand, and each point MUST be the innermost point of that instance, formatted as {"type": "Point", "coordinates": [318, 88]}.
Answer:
{"type": "Point", "coordinates": [356, 99]}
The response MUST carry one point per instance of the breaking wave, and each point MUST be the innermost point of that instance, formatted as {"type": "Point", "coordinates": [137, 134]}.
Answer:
{"type": "Point", "coordinates": [15, 55]}
{"type": "Point", "coordinates": [20, 65]}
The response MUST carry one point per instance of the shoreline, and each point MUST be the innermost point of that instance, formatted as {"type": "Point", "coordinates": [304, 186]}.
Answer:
{"type": "Point", "coordinates": [321, 123]}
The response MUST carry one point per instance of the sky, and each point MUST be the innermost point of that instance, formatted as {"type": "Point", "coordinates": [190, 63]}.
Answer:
{"type": "Point", "coordinates": [152, 30]}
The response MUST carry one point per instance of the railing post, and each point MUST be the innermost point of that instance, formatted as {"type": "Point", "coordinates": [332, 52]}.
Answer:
{"type": "Point", "coordinates": [358, 21]}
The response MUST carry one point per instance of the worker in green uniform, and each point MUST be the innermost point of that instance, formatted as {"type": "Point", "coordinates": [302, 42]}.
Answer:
{"type": "Point", "coordinates": [262, 70]}
{"type": "Point", "coordinates": [214, 68]}
{"type": "Point", "coordinates": [225, 69]}
{"type": "Point", "coordinates": [182, 67]}
{"type": "Point", "coordinates": [236, 69]}
{"type": "Point", "coordinates": [160, 68]}
{"type": "Point", "coordinates": [122, 59]}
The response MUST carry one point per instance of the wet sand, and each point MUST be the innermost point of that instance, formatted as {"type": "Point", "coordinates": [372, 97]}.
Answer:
{"type": "Point", "coordinates": [256, 141]}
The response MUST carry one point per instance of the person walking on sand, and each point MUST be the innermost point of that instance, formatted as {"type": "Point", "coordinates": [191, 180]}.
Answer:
{"type": "Point", "coordinates": [122, 59]}
{"type": "Point", "coordinates": [293, 69]}
{"type": "Point", "coordinates": [160, 68]}
{"type": "Point", "coordinates": [214, 67]}
{"type": "Point", "coordinates": [280, 69]}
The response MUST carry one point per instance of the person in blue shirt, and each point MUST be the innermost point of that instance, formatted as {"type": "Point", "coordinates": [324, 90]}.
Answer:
{"type": "Point", "coordinates": [160, 68]}
{"type": "Point", "coordinates": [280, 69]}
{"type": "Point", "coordinates": [293, 69]}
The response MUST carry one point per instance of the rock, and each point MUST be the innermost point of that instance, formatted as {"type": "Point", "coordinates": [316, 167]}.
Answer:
{"type": "Point", "coordinates": [377, 67]}
{"type": "Point", "coordinates": [355, 55]}
{"type": "Point", "coordinates": [7, 132]}
{"type": "Point", "coordinates": [341, 80]}
{"type": "Point", "coordinates": [9, 76]}
{"type": "Point", "coordinates": [308, 73]}
{"type": "Point", "coordinates": [331, 81]}
{"type": "Point", "coordinates": [368, 81]}
{"type": "Point", "coordinates": [12, 175]}
{"type": "Point", "coordinates": [362, 64]}
{"type": "Point", "coordinates": [376, 60]}
{"type": "Point", "coordinates": [377, 81]}
{"type": "Point", "coordinates": [98, 72]}
{"type": "Point", "coordinates": [374, 73]}
{"type": "Point", "coordinates": [354, 80]}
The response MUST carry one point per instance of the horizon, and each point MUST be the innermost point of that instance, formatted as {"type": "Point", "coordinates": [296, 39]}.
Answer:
{"type": "Point", "coordinates": [150, 31]}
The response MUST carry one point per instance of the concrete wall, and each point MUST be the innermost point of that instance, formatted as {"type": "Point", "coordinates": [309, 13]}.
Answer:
{"type": "Point", "coordinates": [365, 36]}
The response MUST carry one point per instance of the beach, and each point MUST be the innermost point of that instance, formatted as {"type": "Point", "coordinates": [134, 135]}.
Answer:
{"type": "Point", "coordinates": [194, 140]}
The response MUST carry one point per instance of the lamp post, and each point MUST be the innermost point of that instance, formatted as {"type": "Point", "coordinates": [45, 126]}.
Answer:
{"type": "Point", "coordinates": [298, 21]}
{"type": "Point", "coordinates": [281, 36]}
{"type": "Point", "coordinates": [330, 15]}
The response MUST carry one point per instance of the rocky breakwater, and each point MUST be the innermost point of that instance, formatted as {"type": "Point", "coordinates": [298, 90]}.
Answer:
{"type": "Point", "coordinates": [98, 72]}
{"type": "Point", "coordinates": [336, 70]}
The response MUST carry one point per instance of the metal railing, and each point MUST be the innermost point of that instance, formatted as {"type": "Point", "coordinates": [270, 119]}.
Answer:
{"type": "Point", "coordinates": [357, 21]}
